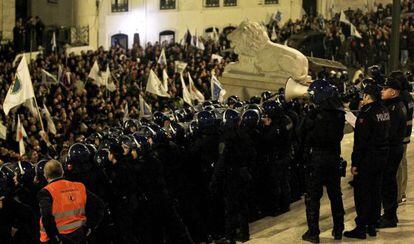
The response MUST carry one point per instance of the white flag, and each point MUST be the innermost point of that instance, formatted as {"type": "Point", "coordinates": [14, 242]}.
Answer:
{"type": "Point", "coordinates": [50, 124]}
{"type": "Point", "coordinates": [29, 104]}
{"type": "Point", "coordinates": [126, 113]}
{"type": "Point", "coordinates": [217, 89]}
{"type": "Point", "coordinates": [3, 131]}
{"type": "Point", "coordinates": [53, 42]}
{"type": "Point", "coordinates": [274, 35]}
{"type": "Point", "coordinates": [186, 93]}
{"type": "Point", "coordinates": [194, 92]}
{"type": "Point", "coordinates": [355, 32]}
{"type": "Point", "coordinates": [215, 35]}
{"type": "Point", "coordinates": [162, 59]}
{"type": "Point", "coordinates": [200, 44]}
{"type": "Point", "coordinates": [107, 80]}
{"type": "Point", "coordinates": [216, 56]}
{"type": "Point", "coordinates": [21, 89]}
{"type": "Point", "coordinates": [20, 134]}
{"type": "Point", "coordinates": [343, 19]}
{"type": "Point", "coordinates": [180, 66]}
{"type": "Point", "coordinates": [48, 78]}
{"type": "Point", "coordinates": [95, 75]}
{"type": "Point", "coordinates": [165, 79]}
{"type": "Point", "coordinates": [154, 86]}
{"type": "Point", "coordinates": [144, 108]}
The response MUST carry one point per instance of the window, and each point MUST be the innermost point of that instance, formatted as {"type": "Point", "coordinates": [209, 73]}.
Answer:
{"type": "Point", "coordinates": [228, 3]}
{"type": "Point", "coordinates": [119, 6]}
{"type": "Point", "coordinates": [167, 36]}
{"type": "Point", "coordinates": [120, 39]}
{"type": "Point", "coordinates": [212, 3]}
{"type": "Point", "coordinates": [167, 4]}
{"type": "Point", "coordinates": [271, 1]}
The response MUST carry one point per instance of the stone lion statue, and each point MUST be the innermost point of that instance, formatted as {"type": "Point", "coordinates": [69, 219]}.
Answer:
{"type": "Point", "coordinates": [259, 56]}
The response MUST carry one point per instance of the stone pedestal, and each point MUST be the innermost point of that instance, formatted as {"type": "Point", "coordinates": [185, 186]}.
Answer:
{"type": "Point", "coordinates": [248, 85]}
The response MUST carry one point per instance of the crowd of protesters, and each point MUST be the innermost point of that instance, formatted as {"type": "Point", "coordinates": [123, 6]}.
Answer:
{"type": "Point", "coordinates": [374, 27]}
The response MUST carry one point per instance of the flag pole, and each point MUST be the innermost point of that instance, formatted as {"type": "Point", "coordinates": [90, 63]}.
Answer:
{"type": "Point", "coordinates": [40, 117]}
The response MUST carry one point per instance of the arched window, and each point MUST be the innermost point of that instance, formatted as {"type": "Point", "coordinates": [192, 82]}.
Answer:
{"type": "Point", "coordinates": [229, 29]}
{"type": "Point", "coordinates": [120, 39]}
{"type": "Point", "coordinates": [211, 3]}
{"type": "Point", "coordinates": [119, 6]}
{"type": "Point", "coordinates": [210, 30]}
{"type": "Point", "coordinates": [229, 3]}
{"type": "Point", "coordinates": [168, 36]}
{"type": "Point", "coordinates": [167, 4]}
{"type": "Point", "coordinates": [137, 39]}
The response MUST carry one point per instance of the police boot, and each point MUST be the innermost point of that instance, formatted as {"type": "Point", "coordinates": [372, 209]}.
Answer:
{"type": "Point", "coordinates": [308, 236]}
{"type": "Point", "coordinates": [337, 234]}
{"type": "Point", "coordinates": [358, 233]}
{"type": "Point", "coordinates": [386, 223]}
{"type": "Point", "coordinates": [371, 230]}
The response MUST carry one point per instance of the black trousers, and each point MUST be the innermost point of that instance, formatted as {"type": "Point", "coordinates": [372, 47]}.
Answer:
{"type": "Point", "coordinates": [367, 188]}
{"type": "Point", "coordinates": [389, 189]}
{"type": "Point", "coordinates": [323, 170]}
{"type": "Point", "coordinates": [236, 207]}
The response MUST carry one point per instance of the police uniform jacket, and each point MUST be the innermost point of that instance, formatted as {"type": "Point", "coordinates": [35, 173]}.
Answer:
{"type": "Point", "coordinates": [371, 132]}
{"type": "Point", "coordinates": [409, 105]}
{"type": "Point", "coordinates": [398, 117]}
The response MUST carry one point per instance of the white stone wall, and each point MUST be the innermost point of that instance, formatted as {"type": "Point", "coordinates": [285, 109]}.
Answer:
{"type": "Point", "coordinates": [59, 14]}
{"type": "Point", "coordinates": [146, 19]}
{"type": "Point", "coordinates": [8, 18]}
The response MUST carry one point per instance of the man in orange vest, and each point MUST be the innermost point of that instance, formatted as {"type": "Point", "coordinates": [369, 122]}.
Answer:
{"type": "Point", "coordinates": [69, 212]}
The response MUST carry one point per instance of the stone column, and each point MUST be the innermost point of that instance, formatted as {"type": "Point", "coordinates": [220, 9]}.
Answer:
{"type": "Point", "coordinates": [85, 14]}
{"type": "Point", "coordinates": [8, 16]}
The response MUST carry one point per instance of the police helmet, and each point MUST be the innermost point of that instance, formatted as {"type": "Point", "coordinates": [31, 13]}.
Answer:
{"type": "Point", "coordinates": [102, 158]}
{"type": "Point", "coordinates": [255, 100]}
{"type": "Point", "coordinates": [78, 159]}
{"type": "Point", "coordinates": [8, 174]}
{"type": "Point", "coordinates": [193, 128]}
{"type": "Point", "coordinates": [39, 170]}
{"type": "Point", "coordinates": [266, 95]}
{"type": "Point", "coordinates": [321, 90]}
{"type": "Point", "coordinates": [143, 145]}
{"type": "Point", "coordinates": [206, 103]}
{"type": "Point", "coordinates": [232, 100]}
{"type": "Point", "coordinates": [231, 118]}
{"type": "Point", "coordinates": [159, 118]}
{"type": "Point", "coordinates": [250, 118]}
{"type": "Point", "coordinates": [272, 108]}
{"type": "Point", "coordinates": [24, 171]}
{"type": "Point", "coordinates": [205, 119]}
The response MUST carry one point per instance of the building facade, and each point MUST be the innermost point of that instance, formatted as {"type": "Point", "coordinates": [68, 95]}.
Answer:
{"type": "Point", "coordinates": [109, 21]}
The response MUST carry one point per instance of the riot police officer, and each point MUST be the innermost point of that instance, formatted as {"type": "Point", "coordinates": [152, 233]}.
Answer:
{"type": "Point", "coordinates": [276, 135]}
{"type": "Point", "coordinates": [323, 131]}
{"type": "Point", "coordinates": [231, 172]}
{"type": "Point", "coordinates": [368, 159]}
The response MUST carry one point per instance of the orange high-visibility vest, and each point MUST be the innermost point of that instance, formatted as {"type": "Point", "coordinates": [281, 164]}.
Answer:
{"type": "Point", "coordinates": [69, 201]}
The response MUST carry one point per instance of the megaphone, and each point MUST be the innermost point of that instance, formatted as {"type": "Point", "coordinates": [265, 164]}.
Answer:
{"type": "Point", "coordinates": [294, 89]}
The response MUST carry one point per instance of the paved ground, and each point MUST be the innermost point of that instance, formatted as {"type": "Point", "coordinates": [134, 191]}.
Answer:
{"type": "Point", "coordinates": [289, 227]}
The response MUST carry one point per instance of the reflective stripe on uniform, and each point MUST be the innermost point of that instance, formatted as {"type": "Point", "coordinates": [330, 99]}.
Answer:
{"type": "Point", "coordinates": [73, 225]}
{"type": "Point", "coordinates": [79, 211]}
